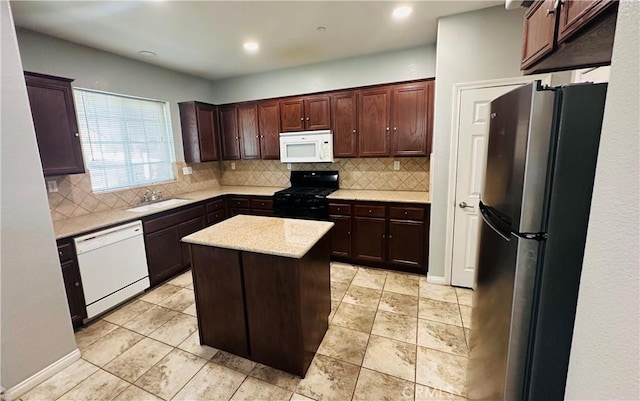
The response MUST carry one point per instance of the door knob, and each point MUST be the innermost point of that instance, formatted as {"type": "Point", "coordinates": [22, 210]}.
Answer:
{"type": "Point", "coordinates": [463, 205]}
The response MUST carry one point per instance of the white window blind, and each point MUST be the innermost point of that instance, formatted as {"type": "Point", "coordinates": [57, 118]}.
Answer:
{"type": "Point", "coordinates": [126, 141]}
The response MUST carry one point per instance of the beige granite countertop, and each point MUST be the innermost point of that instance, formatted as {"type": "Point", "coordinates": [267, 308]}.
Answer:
{"type": "Point", "coordinates": [93, 221]}
{"type": "Point", "coordinates": [291, 238]}
{"type": "Point", "coordinates": [381, 196]}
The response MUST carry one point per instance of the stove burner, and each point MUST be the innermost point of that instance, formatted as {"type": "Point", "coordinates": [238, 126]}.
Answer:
{"type": "Point", "coordinates": [306, 198]}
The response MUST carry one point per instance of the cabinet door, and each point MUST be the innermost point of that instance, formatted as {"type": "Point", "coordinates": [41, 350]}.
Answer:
{"type": "Point", "coordinates": [374, 112]}
{"type": "Point", "coordinates": [406, 244]}
{"type": "Point", "coordinates": [207, 116]}
{"type": "Point", "coordinates": [164, 254]}
{"type": "Point", "coordinates": [248, 128]}
{"type": "Point", "coordinates": [292, 115]}
{"type": "Point", "coordinates": [575, 14]}
{"type": "Point", "coordinates": [341, 236]}
{"type": "Point", "coordinates": [409, 133]}
{"type": "Point", "coordinates": [269, 124]}
{"type": "Point", "coordinates": [73, 287]}
{"type": "Point", "coordinates": [368, 239]}
{"type": "Point", "coordinates": [229, 133]}
{"type": "Point", "coordinates": [538, 32]}
{"type": "Point", "coordinates": [317, 112]}
{"type": "Point", "coordinates": [54, 119]}
{"type": "Point", "coordinates": [186, 228]}
{"type": "Point", "coordinates": [344, 117]}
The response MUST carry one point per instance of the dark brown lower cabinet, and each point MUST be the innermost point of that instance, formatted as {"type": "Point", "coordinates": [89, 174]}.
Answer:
{"type": "Point", "coordinates": [406, 243]}
{"type": "Point", "coordinates": [72, 282]}
{"type": "Point", "coordinates": [341, 235]}
{"type": "Point", "coordinates": [286, 303]}
{"type": "Point", "coordinates": [368, 239]}
{"type": "Point", "coordinates": [380, 234]}
{"type": "Point", "coordinates": [166, 255]}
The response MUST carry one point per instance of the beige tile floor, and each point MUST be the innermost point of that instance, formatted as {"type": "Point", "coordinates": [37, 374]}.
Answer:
{"type": "Point", "coordinates": [392, 336]}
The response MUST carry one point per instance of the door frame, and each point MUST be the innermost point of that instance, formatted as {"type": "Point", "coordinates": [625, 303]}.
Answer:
{"type": "Point", "coordinates": [458, 89]}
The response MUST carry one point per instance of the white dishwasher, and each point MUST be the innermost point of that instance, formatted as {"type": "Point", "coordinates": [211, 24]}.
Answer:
{"type": "Point", "coordinates": [113, 266]}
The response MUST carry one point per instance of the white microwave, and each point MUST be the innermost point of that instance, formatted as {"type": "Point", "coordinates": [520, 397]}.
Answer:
{"type": "Point", "coordinates": [306, 147]}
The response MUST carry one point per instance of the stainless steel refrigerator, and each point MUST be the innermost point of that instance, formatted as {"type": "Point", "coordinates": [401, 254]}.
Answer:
{"type": "Point", "coordinates": [542, 150]}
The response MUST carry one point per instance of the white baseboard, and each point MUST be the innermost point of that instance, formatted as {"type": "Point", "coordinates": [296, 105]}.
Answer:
{"type": "Point", "coordinates": [437, 280]}
{"type": "Point", "coordinates": [19, 389]}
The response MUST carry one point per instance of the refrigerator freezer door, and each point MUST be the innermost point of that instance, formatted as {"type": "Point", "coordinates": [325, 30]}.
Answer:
{"type": "Point", "coordinates": [501, 316]}
{"type": "Point", "coordinates": [517, 157]}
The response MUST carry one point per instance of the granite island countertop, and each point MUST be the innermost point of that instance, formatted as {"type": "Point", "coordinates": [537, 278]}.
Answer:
{"type": "Point", "coordinates": [380, 196]}
{"type": "Point", "coordinates": [93, 221]}
{"type": "Point", "coordinates": [291, 238]}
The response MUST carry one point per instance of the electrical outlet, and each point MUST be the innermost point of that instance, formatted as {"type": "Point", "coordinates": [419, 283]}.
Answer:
{"type": "Point", "coordinates": [52, 186]}
{"type": "Point", "coordinates": [288, 166]}
{"type": "Point", "coordinates": [396, 165]}
{"type": "Point", "coordinates": [233, 165]}
{"type": "Point", "coordinates": [187, 170]}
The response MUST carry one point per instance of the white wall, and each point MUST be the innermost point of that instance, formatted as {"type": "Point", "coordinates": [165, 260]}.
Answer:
{"type": "Point", "coordinates": [95, 69]}
{"type": "Point", "coordinates": [35, 324]}
{"type": "Point", "coordinates": [605, 354]}
{"type": "Point", "coordinates": [474, 46]}
{"type": "Point", "coordinates": [374, 69]}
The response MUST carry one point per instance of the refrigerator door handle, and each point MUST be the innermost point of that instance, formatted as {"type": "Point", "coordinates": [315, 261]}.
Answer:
{"type": "Point", "coordinates": [500, 227]}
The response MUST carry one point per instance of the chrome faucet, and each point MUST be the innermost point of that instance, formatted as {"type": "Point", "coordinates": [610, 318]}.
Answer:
{"type": "Point", "coordinates": [151, 196]}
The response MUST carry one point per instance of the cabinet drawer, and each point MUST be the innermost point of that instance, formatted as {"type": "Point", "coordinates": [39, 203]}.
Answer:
{"type": "Point", "coordinates": [172, 219]}
{"type": "Point", "coordinates": [340, 209]}
{"type": "Point", "coordinates": [374, 211]}
{"type": "Point", "coordinates": [215, 205]}
{"type": "Point", "coordinates": [265, 204]}
{"type": "Point", "coordinates": [65, 252]}
{"type": "Point", "coordinates": [239, 203]}
{"type": "Point", "coordinates": [406, 213]}
{"type": "Point", "coordinates": [216, 217]}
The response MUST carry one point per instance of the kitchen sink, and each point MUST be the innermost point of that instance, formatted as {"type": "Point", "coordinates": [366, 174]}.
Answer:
{"type": "Point", "coordinates": [158, 205]}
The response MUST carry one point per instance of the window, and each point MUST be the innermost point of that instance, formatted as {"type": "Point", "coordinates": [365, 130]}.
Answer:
{"type": "Point", "coordinates": [126, 141]}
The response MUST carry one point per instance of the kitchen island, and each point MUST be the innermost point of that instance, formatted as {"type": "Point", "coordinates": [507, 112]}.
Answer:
{"type": "Point", "coordinates": [262, 288]}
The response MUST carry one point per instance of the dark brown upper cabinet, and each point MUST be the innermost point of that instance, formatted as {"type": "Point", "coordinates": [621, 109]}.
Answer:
{"type": "Point", "coordinates": [567, 34]}
{"type": "Point", "coordinates": [54, 119]}
{"type": "Point", "coordinates": [248, 129]}
{"type": "Point", "coordinates": [374, 115]}
{"type": "Point", "coordinates": [269, 124]}
{"type": "Point", "coordinates": [305, 113]}
{"type": "Point", "coordinates": [229, 132]}
{"type": "Point", "coordinates": [410, 118]}
{"type": "Point", "coordinates": [200, 137]}
{"type": "Point", "coordinates": [344, 121]}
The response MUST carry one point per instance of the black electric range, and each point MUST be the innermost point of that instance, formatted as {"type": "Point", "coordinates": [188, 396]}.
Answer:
{"type": "Point", "coordinates": [307, 196]}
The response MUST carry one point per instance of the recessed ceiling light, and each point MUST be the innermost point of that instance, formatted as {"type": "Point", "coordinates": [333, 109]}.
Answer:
{"type": "Point", "coordinates": [251, 46]}
{"type": "Point", "coordinates": [402, 12]}
{"type": "Point", "coordinates": [146, 53]}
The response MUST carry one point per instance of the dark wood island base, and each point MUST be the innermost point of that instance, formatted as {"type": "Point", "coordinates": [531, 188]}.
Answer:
{"type": "Point", "coordinates": [267, 308]}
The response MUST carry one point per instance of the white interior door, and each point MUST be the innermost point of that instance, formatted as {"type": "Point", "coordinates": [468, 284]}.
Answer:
{"type": "Point", "coordinates": [473, 125]}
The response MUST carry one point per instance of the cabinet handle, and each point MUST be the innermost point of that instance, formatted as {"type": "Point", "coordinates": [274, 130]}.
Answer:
{"type": "Point", "coordinates": [348, 232]}
{"type": "Point", "coordinates": [387, 128]}
{"type": "Point", "coordinates": [261, 136]}
{"type": "Point", "coordinates": [406, 213]}
{"type": "Point", "coordinates": [77, 284]}
{"type": "Point", "coordinates": [301, 118]}
{"type": "Point", "coordinates": [338, 210]}
{"type": "Point", "coordinates": [60, 253]}
{"type": "Point", "coordinates": [354, 131]}
{"type": "Point", "coordinates": [390, 236]}
{"type": "Point", "coordinates": [257, 136]}
{"type": "Point", "coordinates": [550, 12]}
{"type": "Point", "coordinates": [382, 235]}
{"type": "Point", "coordinates": [237, 138]}
{"type": "Point", "coordinates": [307, 118]}
{"type": "Point", "coordinates": [369, 210]}
{"type": "Point", "coordinates": [77, 135]}
{"type": "Point", "coordinates": [395, 128]}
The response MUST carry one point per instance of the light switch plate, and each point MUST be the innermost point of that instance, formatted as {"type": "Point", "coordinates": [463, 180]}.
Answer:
{"type": "Point", "coordinates": [233, 165]}
{"type": "Point", "coordinates": [52, 186]}
{"type": "Point", "coordinates": [396, 165]}
{"type": "Point", "coordinates": [187, 170]}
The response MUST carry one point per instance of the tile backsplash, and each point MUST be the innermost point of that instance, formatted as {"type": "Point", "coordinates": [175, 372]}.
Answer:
{"type": "Point", "coordinates": [75, 198]}
{"type": "Point", "coordinates": [369, 173]}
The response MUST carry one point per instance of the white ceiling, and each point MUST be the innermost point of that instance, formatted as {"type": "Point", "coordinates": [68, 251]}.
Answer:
{"type": "Point", "coordinates": [204, 38]}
